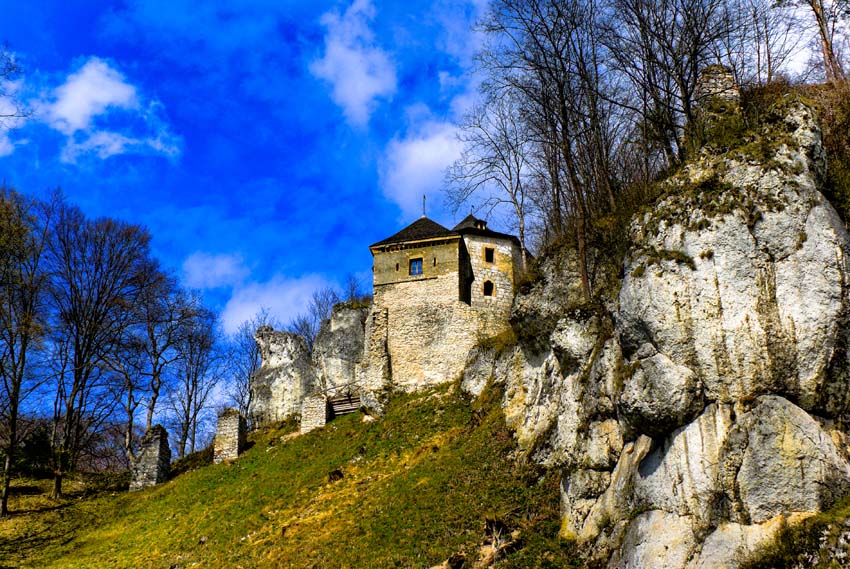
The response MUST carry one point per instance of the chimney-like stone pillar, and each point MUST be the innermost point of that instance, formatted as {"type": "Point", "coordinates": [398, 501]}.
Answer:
{"type": "Point", "coordinates": [230, 436]}
{"type": "Point", "coordinates": [153, 461]}
{"type": "Point", "coordinates": [717, 82]}
{"type": "Point", "coordinates": [314, 413]}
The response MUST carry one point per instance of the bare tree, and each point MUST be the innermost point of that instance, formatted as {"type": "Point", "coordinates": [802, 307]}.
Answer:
{"type": "Point", "coordinates": [166, 315]}
{"type": "Point", "coordinates": [126, 361]}
{"type": "Point", "coordinates": [307, 324]}
{"type": "Point", "coordinates": [11, 108]}
{"type": "Point", "coordinates": [24, 230]}
{"type": "Point", "coordinates": [661, 46]}
{"type": "Point", "coordinates": [354, 290]}
{"type": "Point", "coordinates": [493, 166]}
{"type": "Point", "coordinates": [198, 373]}
{"type": "Point", "coordinates": [547, 54]}
{"type": "Point", "coordinates": [762, 43]}
{"type": "Point", "coordinates": [244, 359]}
{"type": "Point", "coordinates": [148, 345]}
{"type": "Point", "coordinates": [97, 269]}
{"type": "Point", "coordinates": [828, 14]}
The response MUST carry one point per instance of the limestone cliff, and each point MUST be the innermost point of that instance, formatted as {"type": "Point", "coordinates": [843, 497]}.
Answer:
{"type": "Point", "coordinates": [338, 348]}
{"type": "Point", "coordinates": [285, 377]}
{"type": "Point", "coordinates": [698, 410]}
{"type": "Point", "coordinates": [695, 409]}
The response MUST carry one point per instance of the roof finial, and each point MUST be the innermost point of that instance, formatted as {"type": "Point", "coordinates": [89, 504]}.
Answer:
{"type": "Point", "coordinates": [423, 205]}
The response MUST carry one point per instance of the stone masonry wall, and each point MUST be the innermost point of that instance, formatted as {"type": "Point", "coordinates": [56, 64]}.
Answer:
{"type": "Point", "coordinates": [429, 331]}
{"type": "Point", "coordinates": [230, 436]}
{"type": "Point", "coordinates": [717, 81]}
{"type": "Point", "coordinates": [314, 413]}
{"type": "Point", "coordinates": [438, 259]}
{"type": "Point", "coordinates": [500, 272]}
{"type": "Point", "coordinates": [373, 372]}
{"type": "Point", "coordinates": [153, 460]}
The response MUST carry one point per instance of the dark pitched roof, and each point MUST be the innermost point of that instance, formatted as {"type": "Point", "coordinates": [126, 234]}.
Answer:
{"type": "Point", "coordinates": [422, 228]}
{"type": "Point", "coordinates": [468, 222]}
{"type": "Point", "coordinates": [470, 225]}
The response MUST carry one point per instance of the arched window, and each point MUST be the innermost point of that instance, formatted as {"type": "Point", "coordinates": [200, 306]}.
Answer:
{"type": "Point", "coordinates": [488, 288]}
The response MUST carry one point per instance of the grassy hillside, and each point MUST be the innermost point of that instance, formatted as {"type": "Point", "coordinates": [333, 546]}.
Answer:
{"type": "Point", "coordinates": [422, 484]}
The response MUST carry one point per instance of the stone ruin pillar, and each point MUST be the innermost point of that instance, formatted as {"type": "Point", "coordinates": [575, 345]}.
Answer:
{"type": "Point", "coordinates": [717, 82]}
{"type": "Point", "coordinates": [153, 461]}
{"type": "Point", "coordinates": [230, 436]}
{"type": "Point", "coordinates": [314, 413]}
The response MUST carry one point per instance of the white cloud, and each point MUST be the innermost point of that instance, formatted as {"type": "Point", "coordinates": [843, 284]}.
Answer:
{"type": "Point", "coordinates": [88, 93]}
{"type": "Point", "coordinates": [8, 118]}
{"type": "Point", "coordinates": [460, 37]}
{"type": "Point", "coordinates": [415, 164]}
{"type": "Point", "coordinates": [285, 298]}
{"type": "Point", "coordinates": [95, 93]}
{"type": "Point", "coordinates": [6, 144]}
{"type": "Point", "coordinates": [204, 271]}
{"type": "Point", "coordinates": [359, 72]}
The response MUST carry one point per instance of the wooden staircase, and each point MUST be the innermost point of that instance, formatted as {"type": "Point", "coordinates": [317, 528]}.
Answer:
{"type": "Point", "coordinates": [344, 404]}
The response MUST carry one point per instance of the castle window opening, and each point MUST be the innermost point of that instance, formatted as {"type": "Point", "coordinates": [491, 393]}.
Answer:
{"type": "Point", "coordinates": [435, 261]}
{"type": "Point", "coordinates": [488, 287]}
{"type": "Point", "coordinates": [489, 255]}
{"type": "Point", "coordinates": [396, 266]}
{"type": "Point", "coordinates": [416, 266]}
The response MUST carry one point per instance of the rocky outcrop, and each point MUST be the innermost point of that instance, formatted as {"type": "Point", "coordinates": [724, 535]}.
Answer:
{"type": "Point", "coordinates": [285, 377]}
{"type": "Point", "coordinates": [290, 374]}
{"type": "Point", "coordinates": [693, 412]}
{"type": "Point", "coordinates": [338, 349]}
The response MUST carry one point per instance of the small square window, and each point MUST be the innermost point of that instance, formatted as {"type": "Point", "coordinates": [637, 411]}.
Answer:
{"type": "Point", "coordinates": [416, 266]}
{"type": "Point", "coordinates": [489, 254]}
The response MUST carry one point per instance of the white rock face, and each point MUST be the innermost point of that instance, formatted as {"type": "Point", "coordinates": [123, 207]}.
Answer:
{"type": "Point", "coordinates": [338, 348]}
{"type": "Point", "coordinates": [694, 415]}
{"type": "Point", "coordinates": [760, 308]}
{"type": "Point", "coordinates": [285, 376]}
{"type": "Point", "coordinates": [655, 539]}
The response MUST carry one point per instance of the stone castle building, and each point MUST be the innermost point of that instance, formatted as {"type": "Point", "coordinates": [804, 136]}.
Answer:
{"type": "Point", "coordinates": [438, 293]}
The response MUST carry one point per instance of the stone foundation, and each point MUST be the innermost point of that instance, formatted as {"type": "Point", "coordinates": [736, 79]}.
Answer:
{"type": "Point", "coordinates": [153, 461]}
{"type": "Point", "coordinates": [230, 436]}
{"type": "Point", "coordinates": [314, 413]}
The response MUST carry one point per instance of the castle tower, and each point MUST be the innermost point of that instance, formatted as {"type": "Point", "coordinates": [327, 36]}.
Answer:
{"type": "Point", "coordinates": [439, 292]}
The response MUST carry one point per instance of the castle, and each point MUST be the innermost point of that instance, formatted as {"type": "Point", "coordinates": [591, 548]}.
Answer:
{"type": "Point", "coordinates": [438, 293]}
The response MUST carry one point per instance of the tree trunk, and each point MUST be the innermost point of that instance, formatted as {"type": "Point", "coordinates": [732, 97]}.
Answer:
{"type": "Point", "coordinates": [14, 404]}
{"type": "Point", "coordinates": [831, 65]}
{"type": "Point", "coordinates": [151, 406]}
{"type": "Point", "coordinates": [57, 485]}
{"type": "Point", "coordinates": [7, 470]}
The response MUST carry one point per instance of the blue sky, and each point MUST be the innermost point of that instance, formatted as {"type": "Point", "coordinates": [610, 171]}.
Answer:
{"type": "Point", "coordinates": [265, 143]}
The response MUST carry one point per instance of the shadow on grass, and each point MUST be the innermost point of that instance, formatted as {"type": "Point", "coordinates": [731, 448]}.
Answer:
{"type": "Point", "coordinates": [49, 534]}
{"type": "Point", "coordinates": [28, 490]}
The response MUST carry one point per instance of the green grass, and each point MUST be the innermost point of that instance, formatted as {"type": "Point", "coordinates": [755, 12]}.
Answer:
{"type": "Point", "coordinates": [417, 487]}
